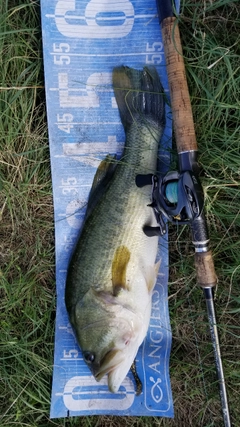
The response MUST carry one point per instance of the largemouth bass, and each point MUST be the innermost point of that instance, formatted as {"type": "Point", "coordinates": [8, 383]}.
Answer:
{"type": "Point", "coordinates": [113, 269]}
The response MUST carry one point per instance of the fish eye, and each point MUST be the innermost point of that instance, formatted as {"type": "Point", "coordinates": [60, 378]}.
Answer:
{"type": "Point", "coordinates": [88, 356]}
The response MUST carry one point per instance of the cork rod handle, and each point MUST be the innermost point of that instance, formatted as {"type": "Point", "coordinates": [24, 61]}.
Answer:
{"type": "Point", "coordinates": [180, 100]}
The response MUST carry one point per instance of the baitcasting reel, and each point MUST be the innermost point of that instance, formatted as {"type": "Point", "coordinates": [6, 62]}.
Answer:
{"type": "Point", "coordinates": [176, 196]}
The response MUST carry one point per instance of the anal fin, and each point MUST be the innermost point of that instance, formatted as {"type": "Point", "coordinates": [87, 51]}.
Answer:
{"type": "Point", "coordinates": [151, 275]}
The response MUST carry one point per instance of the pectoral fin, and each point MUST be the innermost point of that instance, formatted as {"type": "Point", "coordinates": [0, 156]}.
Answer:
{"type": "Point", "coordinates": [119, 269]}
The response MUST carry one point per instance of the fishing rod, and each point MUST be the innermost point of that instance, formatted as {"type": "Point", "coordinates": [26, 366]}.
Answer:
{"type": "Point", "coordinates": [190, 198]}
{"type": "Point", "coordinates": [178, 196]}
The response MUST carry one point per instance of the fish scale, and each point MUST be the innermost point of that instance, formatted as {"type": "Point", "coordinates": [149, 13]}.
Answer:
{"type": "Point", "coordinates": [122, 210]}
{"type": "Point", "coordinates": [112, 271]}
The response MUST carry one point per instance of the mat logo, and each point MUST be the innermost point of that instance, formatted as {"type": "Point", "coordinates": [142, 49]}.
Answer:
{"type": "Point", "coordinates": [84, 393]}
{"type": "Point", "coordinates": [101, 19]}
{"type": "Point", "coordinates": [156, 390]}
{"type": "Point", "coordinates": [153, 362]}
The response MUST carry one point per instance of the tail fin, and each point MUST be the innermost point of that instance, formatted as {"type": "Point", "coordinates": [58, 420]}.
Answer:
{"type": "Point", "coordinates": [139, 92]}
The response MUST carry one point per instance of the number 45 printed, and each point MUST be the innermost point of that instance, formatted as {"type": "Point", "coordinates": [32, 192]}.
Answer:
{"type": "Point", "coordinates": [64, 122]}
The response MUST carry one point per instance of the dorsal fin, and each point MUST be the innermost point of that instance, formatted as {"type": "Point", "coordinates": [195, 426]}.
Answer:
{"type": "Point", "coordinates": [101, 181]}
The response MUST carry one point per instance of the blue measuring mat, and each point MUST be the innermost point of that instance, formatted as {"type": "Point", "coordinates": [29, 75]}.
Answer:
{"type": "Point", "coordinates": [82, 42]}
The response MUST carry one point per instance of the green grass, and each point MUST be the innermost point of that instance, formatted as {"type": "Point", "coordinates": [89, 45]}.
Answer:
{"type": "Point", "coordinates": [211, 43]}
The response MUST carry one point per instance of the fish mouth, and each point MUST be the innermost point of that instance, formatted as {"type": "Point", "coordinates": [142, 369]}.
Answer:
{"type": "Point", "coordinates": [112, 359]}
{"type": "Point", "coordinates": [116, 363]}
